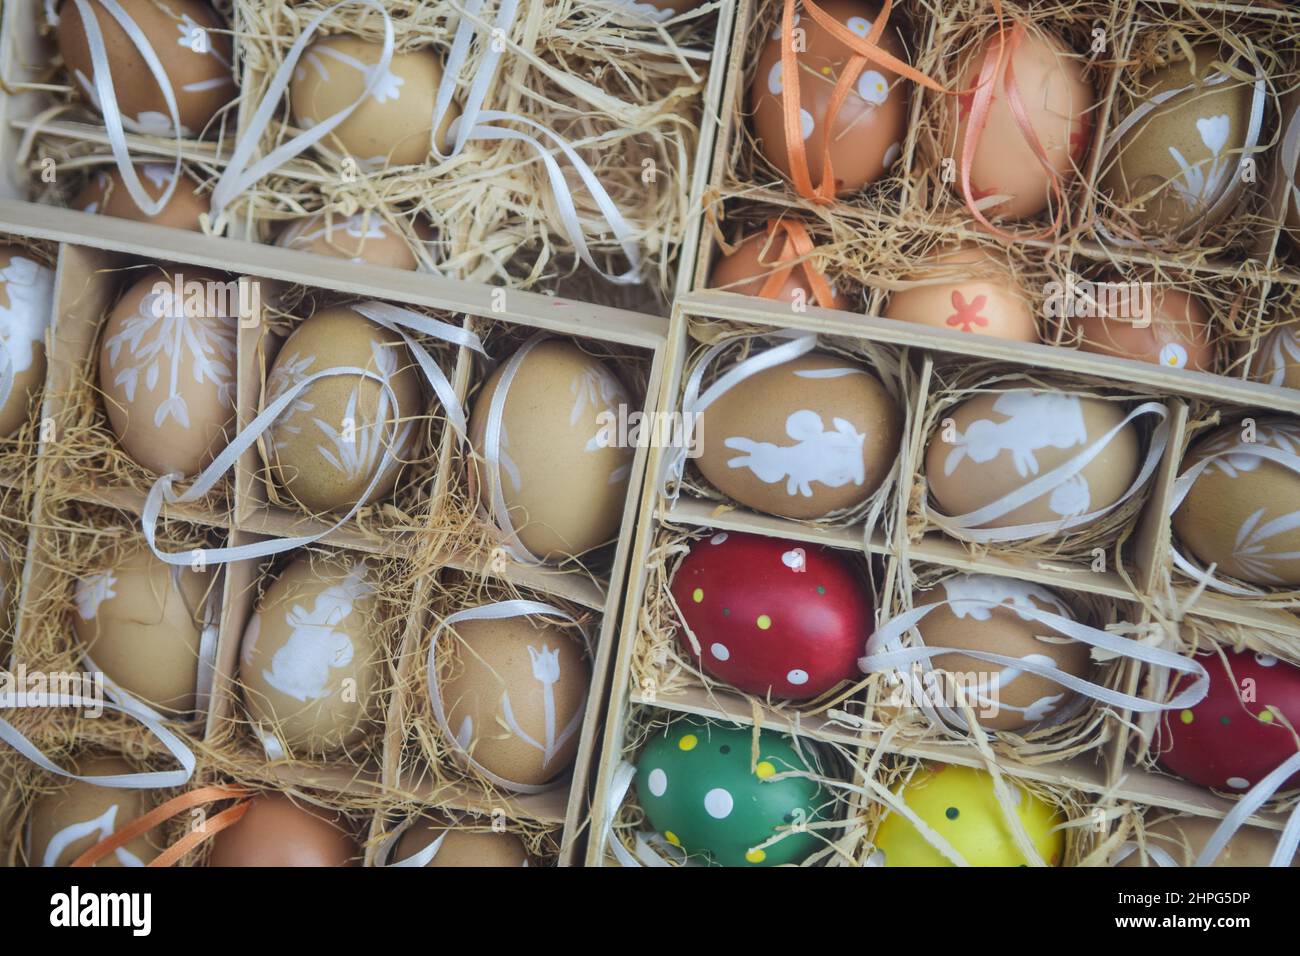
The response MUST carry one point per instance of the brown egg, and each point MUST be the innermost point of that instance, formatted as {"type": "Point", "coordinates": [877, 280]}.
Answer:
{"type": "Point", "coordinates": [461, 846]}
{"type": "Point", "coordinates": [1277, 360]}
{"type": "Point", "coordinates": [803, 439]}
{"type": "Point", "coordinates": [1176, 333]}
{"type": "Point", "coordinates": [562, 473]}
{"type": "Point", "coordinates": [500, 680]}
{"type": "Point", "coordinates": [1007, 700]}
{"type": "Point", "coordinates": [658, 11]}
{"type": "Point", "coordinates": [1058, 103]}
{"type": "Point", "coordinates": [141, 622]}
{"type": "Point", "coordinates": [393, 125]}
{"type": "Point", "coordinates": [1183, 837]}
{"type": "Point", "coordinates": [326, 447]}
{"type": "Point", "coordinates": [1177, 167]}
{"type": "Point", "coordinates": [968, 289]}
{"type": "Point", "coordinates": [312, 659]}
{"type": "Point", "coordinates": [745, 272]}
{"type": "Point", "coordinates": [191, 43]}
{"type": "Point", "coordinates": [26, 308]}
{"type": "Point", "coordinates": [106, 194]}
{"type": "Point", "coordinates": [362, 237]}
{"type": "Point", "coordinates": [167, 368]}
{"type": "Point", "coordinates": [1000, 441]}
{"type": "Point", "coordinates": [1238, 513]}
{"type": "Point", "coordinates": [68, 822]}
{"type": "Point", "coordinates": [868, 131]}
{"type": "Point", "coordinates": [276, 831]}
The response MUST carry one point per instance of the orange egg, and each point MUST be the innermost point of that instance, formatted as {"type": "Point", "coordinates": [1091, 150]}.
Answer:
{"type": "Point", "coordinates": [968, 289]}
{"type": "Point", "coordinates": [746, 270]}
{"type": "Point", "coordinates": [1058, 102]}
{"type": "Point", "coordinates": [1175, 332]}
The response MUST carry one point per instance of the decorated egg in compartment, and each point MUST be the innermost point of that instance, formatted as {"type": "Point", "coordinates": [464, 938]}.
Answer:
{"type": "Point", "coordinates": [997, 442]}
{"type": "Point", "coordinates": [660, 11]}
{"type": "Point", "coordinates": [69, 821]}
{"type": "Point", "coordinates": [105, 194]}
{"type": "Point", "coordinates": [393, 125]}
{"type": "Point", "coordinates": [1147, 321]}
{"type": "Point", "coordinates": [514, 692]}
{"type": "Point", "coordinates": [1057, 104]}
{"type": "Point", "coordinates": [745, 271]}
{"type": "Point", "coordinates": [279, 831]}
{"type": "Point", "coordinates": [311, 664]}
{"type": "Point", "coordinates": [562, 474]}
{"type": "Point", "coordinates": [866, 134]}
{"type": "Point", "coordinates": [1180, 139]}
{"type": "Point", "coordinates": [703, 790]}
{"type": "Point", "coordinates": [961, 805]}
{"type": "Point", "coordinates": [361, 237]}
{"type": "Point", "coordinates": [191, 44]}
{"type": "Point", "coordinates": [803, 439]}
{"type": "Point", "coordinates": [167, 368]}
{"type": "Point", "coordinates": [142, 622]}
{"type": "Point", "coordinates": [329, 443]}
{"type": "Point", "coordinates": [1179, 840]}
{"type": "Point", "coordinates": [1276, 362]}
{"type": "Point", "coordinates": [1240, 732]}
{"type": "Point", "coordinates": [460, 845]}
{"type": "Point", "coordinates": [1239, 513]}
{"type": "Point", "coordinates": [1004, 697]}
{"type": "Point", "coordinates": [964, 287]}
{"type": "Point", "coordinates": [26, 307]}
{"type": "Point", "coordinates": [773, 616]}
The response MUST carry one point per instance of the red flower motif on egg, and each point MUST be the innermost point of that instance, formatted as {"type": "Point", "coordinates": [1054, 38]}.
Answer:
{"type": "Point", "coordinates": [966, 315]}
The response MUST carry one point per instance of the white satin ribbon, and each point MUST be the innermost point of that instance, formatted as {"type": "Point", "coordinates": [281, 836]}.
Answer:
{"type": "Point", "coordinates": [650, 846]}
{"type": "Point", "coordinates": [1250, 801]}
{"type": "Point", "coordinates": [1159, 855]}
{"type": "Point", "coordinates": [492, 429]}
{"type": "Point", "coordinates": [965, 526]}
{"type": "Point", "coordinates": [423, 857]}
{"type": "Point", "coordinates": [6, 375]}
{"type": "Point", "coordinates": [885, 652]}
{"type": "Point", "coordinates": [498, 611]}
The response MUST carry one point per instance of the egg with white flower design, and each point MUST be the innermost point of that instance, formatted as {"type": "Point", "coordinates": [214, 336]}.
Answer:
{"type": "Point", "coordinates": [864, 134]}
{"type": "Point", "coordinates": [360, 237]}
{"type": "Point", "coordinates": [1152, 322]}
{"type": "Point", "coordinates": [106, 194]}
{"type": "Point", "coordinates": [1276, 361]}
{"type": "Point", "coordinates": [190, 43]}
{"type": "Point", "coordinates": [393, 124]}
{"type": "Point", "coordinates": [26, 309]}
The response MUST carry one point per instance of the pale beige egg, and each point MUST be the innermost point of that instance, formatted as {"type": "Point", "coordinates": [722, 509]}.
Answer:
{"type": "Point", "coordinates": [966, 288]}
{"type": "Point", "coordinates": [26, 310]}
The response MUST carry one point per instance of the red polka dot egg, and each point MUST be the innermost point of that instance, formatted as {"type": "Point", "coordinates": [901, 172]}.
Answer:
{"type": "Point", "coordinates": [771, 615]}
{"type": "Point", "coordinates": [1233, 738]}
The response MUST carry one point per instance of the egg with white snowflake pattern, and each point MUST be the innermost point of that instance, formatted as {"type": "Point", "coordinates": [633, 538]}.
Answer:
{"type": "Point", "coordinates": [167, 368]}
{"type": "Point", "coordinates": [26, 308]}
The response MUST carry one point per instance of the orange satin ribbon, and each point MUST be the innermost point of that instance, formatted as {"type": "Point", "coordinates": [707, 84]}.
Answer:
{"type": "Point", "coordinates": [796, 247]}
{"type": "Point", "coordinates": [165, 812]}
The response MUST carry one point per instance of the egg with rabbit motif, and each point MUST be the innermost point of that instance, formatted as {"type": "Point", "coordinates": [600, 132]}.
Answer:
{"type": "Point", "coordinates": [26, 309]}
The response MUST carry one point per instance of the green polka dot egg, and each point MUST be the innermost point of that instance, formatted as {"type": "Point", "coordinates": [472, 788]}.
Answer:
{"type": "Point", "coordinates": [959, 804]}
{"type": "Point", "coordinates": [701, 791]}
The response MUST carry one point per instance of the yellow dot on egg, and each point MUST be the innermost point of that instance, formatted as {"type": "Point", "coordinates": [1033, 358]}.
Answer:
{"type": "Point", "coordinates": [1187, 716]}
{"type": "Point", "coordinates": [688, 742]}
{"type": "Point", "coordinates": [697, 595]}
{"type": "Point", "coordinates": [1266, 716]}
{"type": "Point", "coordinates": [764, 770]}
{"type": "Point", "coordinates": [756, 856]}
{"type": "Point", "coordinates": [671, 837]}
{"type": "Point", "coordinates": [826, 71]}
{"type": "Point", "coordinates": [764, 622]}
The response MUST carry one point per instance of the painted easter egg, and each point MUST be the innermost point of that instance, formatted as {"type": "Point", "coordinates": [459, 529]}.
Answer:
{"type": "Point", "coordinates": [960, 804]}
{"type": "Point", "coordinates": [771, 615]}
{"type": "Point", "coordinates": [69, 821]}
{"type": "Point", "coordinates": [563, 474]}
{"type": "Point", "coordinates": [803, 439]}
{"type": "Point", "coordinates": [461, 845]}
{"type": "Point", "coordinates": [167, 368]}
{"type": "Point", "coordinates": [105, 194]}
{"type": "Point", "coordinates": [1179, 840]}
{"type": "Point", "coordinates": [1176, 165]}
{"type": "Point", "coordinates": [142, 623]}
{"type": "Point", "coordinates": [1232, 738]}
{"type": "Point", "coordinates": [361, 237]}
{"type": "Point", "coordinates": [1005, 698]}
{"type": "Point", "coordinates": [867, 133]}
{"type": "Point", "coordinates": [326, 447]}
{"type": "Point", "coordinates": [277, 831]}
{"type": "Point", "coordinates": [514, 692]}
{"type": "Point", "coordinates": [1167, 327]}
{"type": "Point", "coordinates": [311, 663]}
{"type": "Point", "coordinates": [392, 126]}
{"type": "Point", "coordinates": [26, 308]}
{"type": "Point", "coordinates": [746, 269]}
{"type": "Point", "coordinates": [1000, 441]}
{"type": "Point", "coordinates": [1057, 101]}
{"type": "Point", "coordinates": [1240, 513]}
{"type": "Point", "coordinates": [658, 11]}
{"type": "Point", "coordinates": [1277, 360]}
{"type": "Point", "coordinates": [964, 287]}
{"type": "Point", "coordinates": [191, 44]}
{"type": "Point", "coordinates": [701, 792]}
